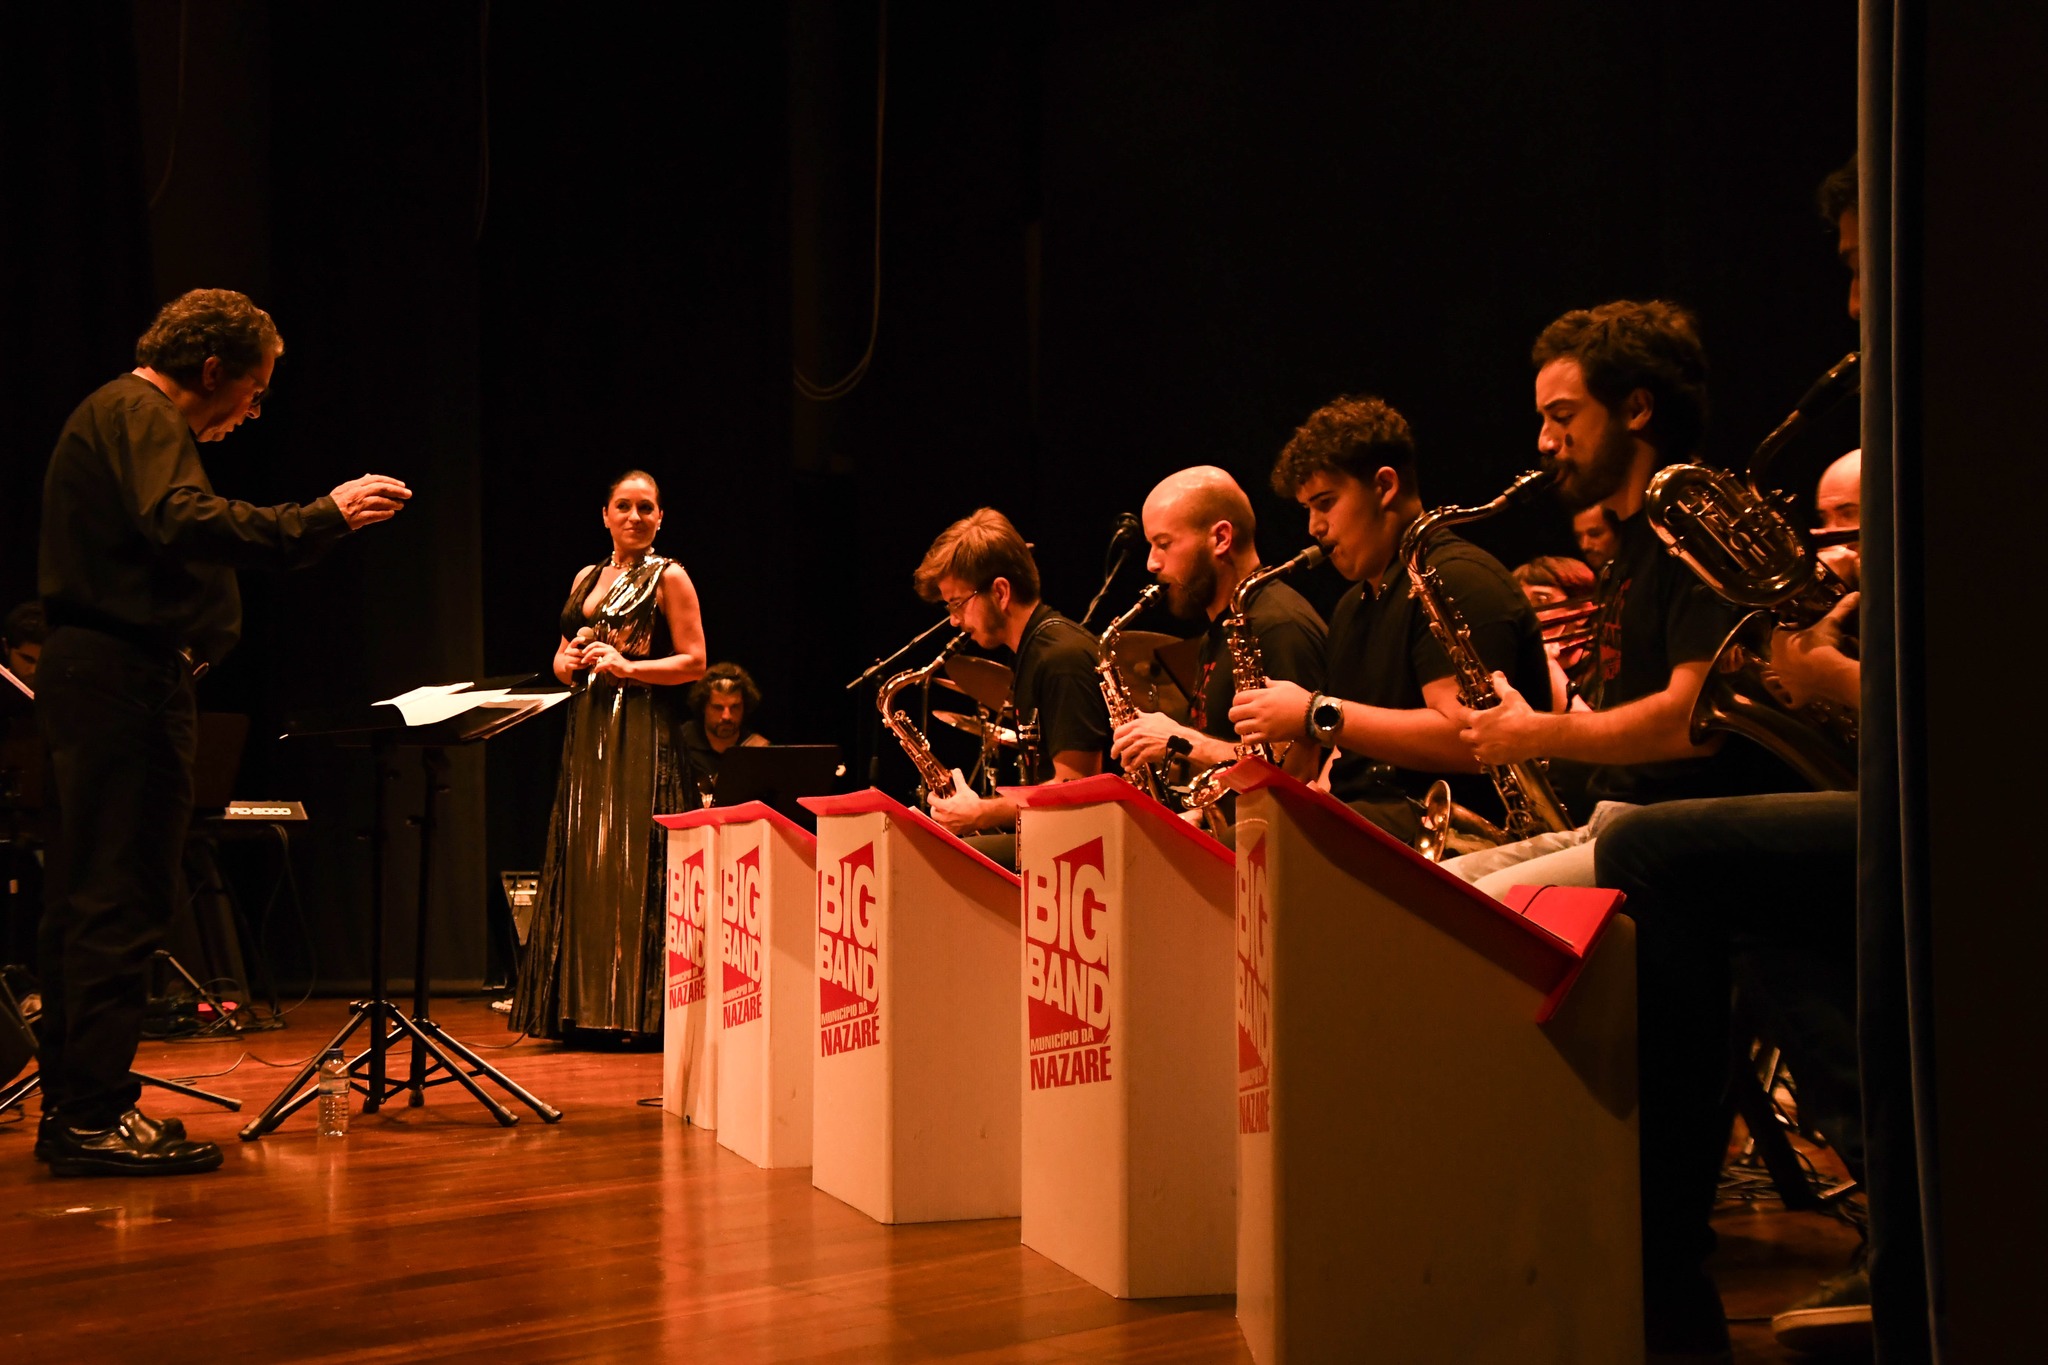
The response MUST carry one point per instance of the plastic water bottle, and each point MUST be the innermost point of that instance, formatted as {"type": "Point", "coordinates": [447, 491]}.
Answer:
{"type": "Point", "coordinates": [334, 1094]}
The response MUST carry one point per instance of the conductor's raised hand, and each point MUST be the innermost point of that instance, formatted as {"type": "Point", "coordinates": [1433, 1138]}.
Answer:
{"type": "Point", "coordinates": [372, 498]}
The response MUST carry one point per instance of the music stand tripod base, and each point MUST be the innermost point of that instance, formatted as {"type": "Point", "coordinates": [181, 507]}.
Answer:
{"type": "Point", "coordinates": [437, 1056]}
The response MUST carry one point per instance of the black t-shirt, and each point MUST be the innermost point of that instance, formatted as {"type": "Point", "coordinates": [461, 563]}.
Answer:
{"type": "Point", "coordinates": [1056, 687]}
{"type": "Point", "coordinates": [1292, 640]}
{"type": "Point", "coordinates": [1656, 614]}
{"type": "Point", "coordinates": [704, 761]}
{"type": "Point", "coordinates": [135, 542]}
{"type": "Point", "coordinates": [1382, 653]}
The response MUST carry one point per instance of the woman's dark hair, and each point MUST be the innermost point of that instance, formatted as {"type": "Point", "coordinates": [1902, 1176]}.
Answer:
{"type": "Point", "coordinates": [1353, 434]}
{"type": "Point", "coordinates": [717, 678]}
{"type": "Point", "coordinates": [1837, 193]}
{"type": "Point", "coordinates": [1624, 346]}
{"type": "Point", "coordinates": [203, 323]}
{"type": "Point", "coordinates": [613, 486]}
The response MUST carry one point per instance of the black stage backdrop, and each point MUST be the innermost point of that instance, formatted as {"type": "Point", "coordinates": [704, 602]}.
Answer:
{"type": "Point", "coordinates": [515, 250]}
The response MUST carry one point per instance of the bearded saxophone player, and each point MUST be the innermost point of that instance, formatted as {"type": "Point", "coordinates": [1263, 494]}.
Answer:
{"type": "Point", "coordinates": [1201, 535]}
{"type": "Point", "coordinates": [982, 570]}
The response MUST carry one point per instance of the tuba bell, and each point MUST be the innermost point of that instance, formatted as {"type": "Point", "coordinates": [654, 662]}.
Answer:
{"type": "Point", "coordinates": [1735, 534]}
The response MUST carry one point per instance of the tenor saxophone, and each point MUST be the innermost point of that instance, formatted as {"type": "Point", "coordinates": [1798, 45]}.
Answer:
{"type": "Point", "coordinates": [935, 776]}
{"type": "Point", "coordinates": [1525, 791]}
{"type": "Point", "coordinates": [1247, 673]}
{"type": "Point", "coordinates": [1117, 693]}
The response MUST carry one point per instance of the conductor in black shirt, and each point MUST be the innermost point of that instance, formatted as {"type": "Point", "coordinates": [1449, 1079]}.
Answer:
{"type": "Point", "coordinates": [137, 568]}
{"type": "Point", "coordinates": [1352, 466]}
{"type": "Point", "coordinates": [1199, 525]}
{"type": "Point", "coordinates": [983, 572]}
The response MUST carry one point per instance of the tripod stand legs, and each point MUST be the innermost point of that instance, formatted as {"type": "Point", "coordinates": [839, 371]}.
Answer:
{"type": "Point", "coordinates": [436, 1048]}
{"type": "Point", "coordinates": [29, 1084]}
{"type": "Point", "coordinates": [548, 1113]}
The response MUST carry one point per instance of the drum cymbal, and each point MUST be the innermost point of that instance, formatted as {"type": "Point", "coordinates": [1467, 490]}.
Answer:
{"type": "Point", "coordinates": [1005, 737]}
{"type": "Point", "coordinates": [985, 680]}
{"type": "Point", "coordinates": [950, 686]}
{"type": "Point", "coordinates": [1136, 646]}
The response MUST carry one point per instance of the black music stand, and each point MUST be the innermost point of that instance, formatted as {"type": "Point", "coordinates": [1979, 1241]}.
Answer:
{"type": "Point", "coordinates": [382, 729]}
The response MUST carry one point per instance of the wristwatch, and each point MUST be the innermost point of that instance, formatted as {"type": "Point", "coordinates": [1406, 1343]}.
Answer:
{"type": "Point", "coordinates": [1325, 717]}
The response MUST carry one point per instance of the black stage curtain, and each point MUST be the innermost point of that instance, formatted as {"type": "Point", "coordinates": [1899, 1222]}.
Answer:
{"type": "Point", "coordinates": [1897, 1068]}
{"type": "Point", "coordinates": [1954, 1024]}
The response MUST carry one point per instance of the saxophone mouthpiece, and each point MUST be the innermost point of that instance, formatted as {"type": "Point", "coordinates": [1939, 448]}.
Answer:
{"type": "Point", "coordinates": [1311, 557]}
{"type": "Point", "coordinates": [1533, 482]}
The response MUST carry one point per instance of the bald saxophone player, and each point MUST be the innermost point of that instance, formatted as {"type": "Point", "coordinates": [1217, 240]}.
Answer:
{"type": "Point", "coordinates": [1200, 529]}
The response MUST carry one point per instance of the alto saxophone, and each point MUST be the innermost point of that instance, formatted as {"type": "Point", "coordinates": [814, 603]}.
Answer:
{"type": "Point", "coordinates": [935, 776]}
{"type": "Point", "coordinates": [1117, 693]}
{"type": "Point", "coordinates": [1735, 535]}
{"type": "Point", "coordinates": [1247, 673]}
{"type": "Point", "coordinates": [1532, 805]}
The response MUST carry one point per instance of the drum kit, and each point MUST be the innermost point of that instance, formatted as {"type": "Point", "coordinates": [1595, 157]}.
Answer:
{"type": "Point", "coordinates": [987, 686]}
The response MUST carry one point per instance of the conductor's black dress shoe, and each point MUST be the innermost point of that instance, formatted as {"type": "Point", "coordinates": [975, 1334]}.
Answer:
{"type": "Point", "coordinates": [171, 1129]}
{"type": "Point", "coordinates": [134, 1145]}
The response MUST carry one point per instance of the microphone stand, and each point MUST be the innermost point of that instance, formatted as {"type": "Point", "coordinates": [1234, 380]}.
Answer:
{"type": "Point", "coordinates": [1120, 550]}
{"type": "Point", "coordinates": [874, 671]}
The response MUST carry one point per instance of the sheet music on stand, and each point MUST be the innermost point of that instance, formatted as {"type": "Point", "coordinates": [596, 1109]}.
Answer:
{"type": "Point", "coordinates": [432, 720]}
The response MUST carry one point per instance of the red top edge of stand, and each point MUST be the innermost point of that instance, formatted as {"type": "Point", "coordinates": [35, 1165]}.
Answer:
{"type": "Point", "coordinates": [744, 813]}
{"type": "Point", "coordinates": [1092, 791]}
{"type": "Point", "coordinates": [1564, 922]}
{"type": "Point", "coordinates": [872, 802]}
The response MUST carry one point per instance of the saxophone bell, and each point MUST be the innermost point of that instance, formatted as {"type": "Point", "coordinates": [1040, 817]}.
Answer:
{"type": "Point", "coordinates": [935, 777]}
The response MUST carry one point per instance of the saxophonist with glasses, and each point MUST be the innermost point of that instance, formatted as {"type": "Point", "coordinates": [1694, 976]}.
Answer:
{"type": "Point", "coordinates": [1200, 529]}
{"type": "Point", "coordinates": [1386, 679]}
{"type": "Point", "coordinates": [982, 571]}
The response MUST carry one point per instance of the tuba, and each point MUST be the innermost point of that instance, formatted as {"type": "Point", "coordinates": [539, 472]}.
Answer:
{"type": "Point", "coordinates": [1524, 787]}
{"type": "Point", "coordinates": [1247, 672]}
{"type": "Point", "coordinates": [935, 776]}
{"type": "Point", "coordinates": [1117, 693]}
{"type": "Point", "coordinates": [1735, 535]}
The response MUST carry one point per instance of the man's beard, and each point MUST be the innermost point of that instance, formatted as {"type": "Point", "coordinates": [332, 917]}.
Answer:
{"type": "Point", "coordinates": [1190, 600]}
{"type": "Point", "coordinates": [727, 730]}
{"type": "Point", "coordinates": [1602, 476]}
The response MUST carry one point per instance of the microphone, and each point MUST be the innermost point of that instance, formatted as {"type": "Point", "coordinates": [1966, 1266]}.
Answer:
{"type": "Point", "coordinates": [1128, 530]}
{"type": "Point", "coordinates": [579, 677]}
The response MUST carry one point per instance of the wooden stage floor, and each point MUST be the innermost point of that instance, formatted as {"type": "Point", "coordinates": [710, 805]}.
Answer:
{"type": "Point", "coordinates": [617, 1234]}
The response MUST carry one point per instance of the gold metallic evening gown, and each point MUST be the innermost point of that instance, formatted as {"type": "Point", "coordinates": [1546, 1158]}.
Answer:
{"type": "Point", "coordinates": [594, 953]}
